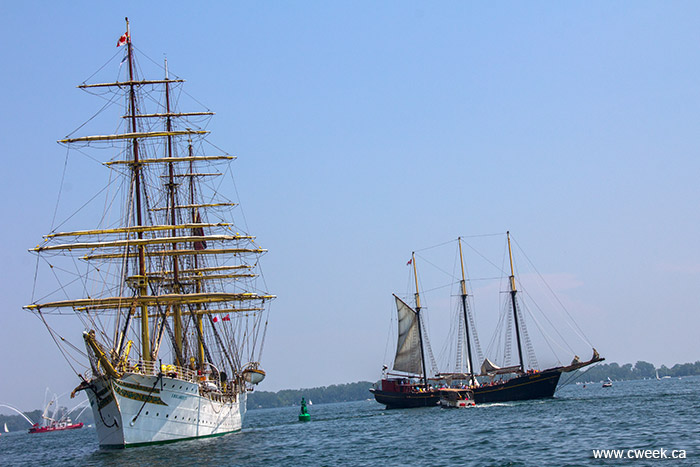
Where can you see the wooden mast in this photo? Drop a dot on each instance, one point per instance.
(177, 310)
(198, 283)
(143, 285)
(513, 291)
(464, 311)
(420, 331)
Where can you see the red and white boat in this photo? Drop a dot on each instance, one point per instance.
(54, 422)
(53, 425)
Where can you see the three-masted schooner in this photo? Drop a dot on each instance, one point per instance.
(515, 382)
(173, 310)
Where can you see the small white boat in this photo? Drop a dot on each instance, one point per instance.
(456, 398)
(608, 383)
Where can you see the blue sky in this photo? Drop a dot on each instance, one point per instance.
(367, 130)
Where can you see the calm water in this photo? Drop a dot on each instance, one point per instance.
(562, 431)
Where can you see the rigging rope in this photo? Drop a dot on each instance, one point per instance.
(574, 376)
(100, 69)
(109, 103)
(577, 329)
(60, 348)
(60, 189)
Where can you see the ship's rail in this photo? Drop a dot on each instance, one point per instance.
(155, 369)
(213, 388)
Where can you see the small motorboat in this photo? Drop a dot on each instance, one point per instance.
(453, 398)
(608, 383)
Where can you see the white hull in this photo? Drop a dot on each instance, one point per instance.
(458, 404)
(139, 409)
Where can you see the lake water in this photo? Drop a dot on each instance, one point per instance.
(646, 414)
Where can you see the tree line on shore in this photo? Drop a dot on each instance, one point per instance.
(17, 422)
(320, 395)
(640, 370)
(360, 390)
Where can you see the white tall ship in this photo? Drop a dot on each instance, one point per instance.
(166, 285)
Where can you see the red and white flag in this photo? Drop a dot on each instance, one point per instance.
(409, 261)
(123, 40)
(215, 319)
(226, 318)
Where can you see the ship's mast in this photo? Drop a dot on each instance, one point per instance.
(198, 283)
(177, 310)
(142, 284)
(420, 330)
(513, 291)
(464, 311)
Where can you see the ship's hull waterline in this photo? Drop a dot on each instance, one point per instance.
(404, 400)
(540, 385)
(138, 410)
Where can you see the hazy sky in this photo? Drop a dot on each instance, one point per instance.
(367, 130)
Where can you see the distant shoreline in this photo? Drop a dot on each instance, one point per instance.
(321, 395)
(360, 390)
(640, 370)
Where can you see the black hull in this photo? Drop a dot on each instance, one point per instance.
(526, 387)
(405, 400)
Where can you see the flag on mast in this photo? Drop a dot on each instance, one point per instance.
(123, 40)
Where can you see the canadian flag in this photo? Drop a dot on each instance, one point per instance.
(409, 261)
(123, 40)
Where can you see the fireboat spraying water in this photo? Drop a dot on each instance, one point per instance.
(57, 421)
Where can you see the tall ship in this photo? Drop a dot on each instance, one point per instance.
(165, 285)
(487, 384)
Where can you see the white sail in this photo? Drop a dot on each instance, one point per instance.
(408, 352)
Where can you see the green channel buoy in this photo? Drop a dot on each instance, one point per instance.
(304, 415)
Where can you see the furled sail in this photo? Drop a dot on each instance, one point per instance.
(408, 353)
(488, 368)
